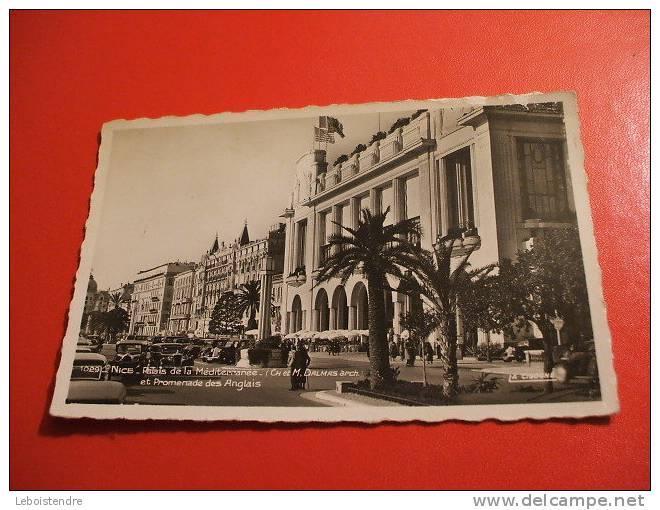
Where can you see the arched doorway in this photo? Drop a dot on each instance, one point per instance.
(296, 315)
(321, 312)
(360, 303)
(340, 308)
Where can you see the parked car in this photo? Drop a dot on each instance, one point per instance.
(130, 358)
(171, 354)
(90, 344)
(89, 384)
(577, 362)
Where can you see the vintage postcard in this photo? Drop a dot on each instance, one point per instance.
(418, 260)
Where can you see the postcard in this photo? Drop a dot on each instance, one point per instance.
(416, 260)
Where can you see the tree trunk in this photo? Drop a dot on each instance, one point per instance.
(449, 343)
(379, 358)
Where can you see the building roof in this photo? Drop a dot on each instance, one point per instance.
(245, 237)
(92, 285)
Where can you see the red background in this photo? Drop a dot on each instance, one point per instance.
(70, 72)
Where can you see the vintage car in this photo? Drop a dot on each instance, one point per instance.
(130, 358)
(89, 345)
(223, 352)
(577, 362)
(89, 384)
(171, 354)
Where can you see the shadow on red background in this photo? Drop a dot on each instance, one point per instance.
(70, 72)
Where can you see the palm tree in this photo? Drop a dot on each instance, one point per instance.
(377, 250)
(247, 300)
(116, 299)
(440, 288)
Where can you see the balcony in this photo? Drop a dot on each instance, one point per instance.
(467, 239)
(401, 144)
(325, 253)
(369, 157)
(297, 277)
(391, 145)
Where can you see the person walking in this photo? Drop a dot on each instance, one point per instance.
(299, 364)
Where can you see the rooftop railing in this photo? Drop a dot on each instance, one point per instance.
(398, 142)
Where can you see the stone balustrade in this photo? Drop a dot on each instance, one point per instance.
(394, 144)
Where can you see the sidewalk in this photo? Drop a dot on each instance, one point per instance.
(334, 399)
(467, 363)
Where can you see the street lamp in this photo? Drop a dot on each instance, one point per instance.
(558, 323)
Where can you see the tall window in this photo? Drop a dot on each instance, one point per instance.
(300, 244)
(460, 203)
(542, 179)
(385, 200)
(411, 193)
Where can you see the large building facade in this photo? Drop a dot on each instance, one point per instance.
(182, 301)
(151, 301)
(498, 173)
(227, 266)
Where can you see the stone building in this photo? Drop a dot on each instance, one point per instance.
(498, 172)
(151, 301)
(182, 302)
(224, 267)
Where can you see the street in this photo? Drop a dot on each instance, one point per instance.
(222, 385)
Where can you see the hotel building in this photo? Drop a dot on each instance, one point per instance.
(227, 266)
(182, 301)
(151, 300)
(501, 172)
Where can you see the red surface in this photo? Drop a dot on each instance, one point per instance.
(70, 72)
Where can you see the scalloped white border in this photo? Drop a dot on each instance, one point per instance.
(503, 412)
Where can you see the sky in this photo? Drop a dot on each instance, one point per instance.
(170, 189)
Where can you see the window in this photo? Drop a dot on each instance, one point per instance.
(542, 180)
(385, 200)
(300, 244)
(411, 193)
(363, 202)
(460, 205)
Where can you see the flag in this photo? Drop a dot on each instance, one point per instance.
(332, 125)
(322, 135)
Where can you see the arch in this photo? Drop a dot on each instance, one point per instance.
(321, 317)
(296, 314)
(340, 307)
(359, 307)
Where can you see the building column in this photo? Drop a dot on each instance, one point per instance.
(318, 242)
(355, 212)
(398, 200)
(425, 209)
(286, 327)
(316, 315)
(443, 227)
(373, 200)
(264, 299)
(351, 318)
(398, 309)
(332, 323)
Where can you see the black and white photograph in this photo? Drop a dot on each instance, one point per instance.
(419, 260)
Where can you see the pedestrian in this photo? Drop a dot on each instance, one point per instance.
(285, 352)
(299, 364)
(393, 350)
(428, 351)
